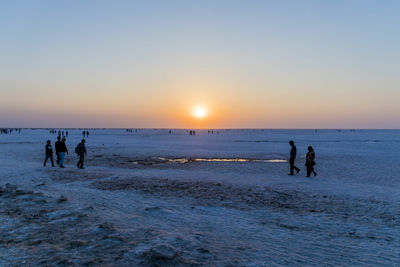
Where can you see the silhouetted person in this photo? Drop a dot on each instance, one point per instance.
(63, 150)
(66, 133)
(81, 151)
(293, 153)
(83, 134)
(58, 145)
(49, 153)
(310, 161)
(87, 133)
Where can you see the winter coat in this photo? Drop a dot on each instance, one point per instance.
(49, 149)
(310, 158)
(293, 152)
(58, 146)
(81, 149)
(63, 147)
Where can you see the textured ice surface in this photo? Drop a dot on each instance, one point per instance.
(221, 199)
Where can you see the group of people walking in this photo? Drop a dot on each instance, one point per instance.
(310, 160)
(61, 149)
(9, 131)
(80, 150)
(60, 133)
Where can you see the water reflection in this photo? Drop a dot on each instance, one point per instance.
(160, 160)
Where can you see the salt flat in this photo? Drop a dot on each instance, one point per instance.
(150, 197)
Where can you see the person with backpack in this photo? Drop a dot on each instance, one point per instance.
(49, 153)
(80, 149)
(310, 161)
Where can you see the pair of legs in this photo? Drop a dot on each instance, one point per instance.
(292, 167)
(58, 158)
(49, 157)
(80, 162)
(310, 169)
(61, 156)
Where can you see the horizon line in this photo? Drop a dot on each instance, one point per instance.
(175, 128)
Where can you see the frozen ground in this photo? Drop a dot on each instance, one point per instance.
(153, 198)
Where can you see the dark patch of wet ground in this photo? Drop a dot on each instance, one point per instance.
(342, 221)
(365, 211)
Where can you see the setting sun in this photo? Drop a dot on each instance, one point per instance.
(199, 112)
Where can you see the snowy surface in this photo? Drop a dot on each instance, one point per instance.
(150, 197)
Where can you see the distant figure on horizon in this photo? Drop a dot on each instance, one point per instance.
(83, 134)
(49, 153)
(58, 145)
(293, 153)
(63, 149)
(81, 151)
(310, 161)
(87, 133)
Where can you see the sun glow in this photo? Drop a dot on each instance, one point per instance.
(199, 112)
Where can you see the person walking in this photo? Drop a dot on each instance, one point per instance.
(49, 153)
(293, 153)
(81, 151)
(310, 161)
(58, 146)
(63, 150)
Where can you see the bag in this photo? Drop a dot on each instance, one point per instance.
(77, 149)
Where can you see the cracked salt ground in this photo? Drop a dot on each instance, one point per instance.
(116, 213)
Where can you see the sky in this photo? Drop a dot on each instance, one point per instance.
(244, 64)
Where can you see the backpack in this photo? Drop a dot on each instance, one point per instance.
(77, 149)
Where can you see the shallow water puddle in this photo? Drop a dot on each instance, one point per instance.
(161, 160)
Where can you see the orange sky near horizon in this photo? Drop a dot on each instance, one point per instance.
(250, 64)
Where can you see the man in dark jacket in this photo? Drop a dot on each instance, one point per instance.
(58, 146)
(62, 150)
(81, 151)
(293, 153)
(49, 153)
